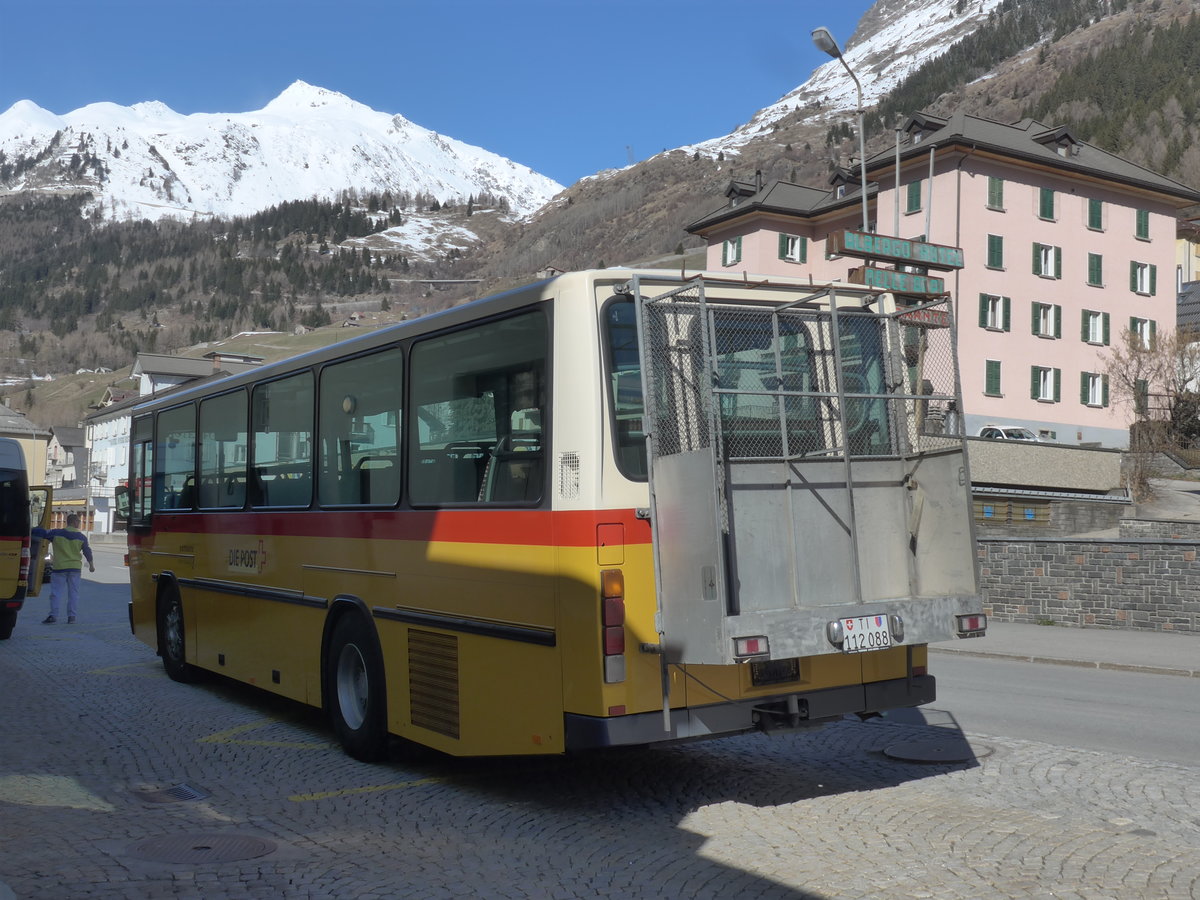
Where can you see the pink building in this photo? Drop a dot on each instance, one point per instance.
(1065, 248)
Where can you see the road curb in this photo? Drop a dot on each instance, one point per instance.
(1078, 663)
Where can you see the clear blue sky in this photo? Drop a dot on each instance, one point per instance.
(562, 86)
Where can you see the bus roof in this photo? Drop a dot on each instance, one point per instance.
(493, 304)
(11, 455)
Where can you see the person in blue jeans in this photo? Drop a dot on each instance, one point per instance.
(70, 549)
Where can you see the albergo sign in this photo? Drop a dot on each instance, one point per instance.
(893, 249)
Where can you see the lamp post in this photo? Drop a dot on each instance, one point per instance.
(826, 43)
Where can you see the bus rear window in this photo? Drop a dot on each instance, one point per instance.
(14, 504)
(625, 385)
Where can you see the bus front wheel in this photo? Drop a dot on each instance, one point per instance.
(354, 690)
(171, 642)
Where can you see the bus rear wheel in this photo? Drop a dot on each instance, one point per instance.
(8, 621)
(171, 643)
(354, 693)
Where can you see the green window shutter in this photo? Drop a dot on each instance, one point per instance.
(992, 377)
(1037, 259)
(1046, 204)
(1057, 321)
(1083, 388)
(1133, 276)
(1142, 224)
(1007, 304)
(1035, 383)
(1141, 395)
(1095, 214)
(995, 192)
(983, 308)
(783, 246)
(803, 249)
(914, 196)
(1085, 322)
(1133, 324)
(1037, 318)
(1058, 262)
(1153, 334)
(1057, 385)
(995, 252)
(1105, 324)
(1095, 269)
(1104, 390)
(1153, 280)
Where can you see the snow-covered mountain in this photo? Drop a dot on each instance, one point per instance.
(147, 161)
(892, 41)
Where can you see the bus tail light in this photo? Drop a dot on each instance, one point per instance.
(747, 647)
(26, 557)
(972, 626)
(612, 620)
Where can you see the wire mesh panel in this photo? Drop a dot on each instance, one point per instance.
(774, 381)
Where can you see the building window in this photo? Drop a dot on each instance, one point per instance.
(995, 198)
(1047, 320)
(1093, 389)
(1047, 261)
(913, 201)
(1143, 332)
(1141, 227)
(1045, 204)
(731, 251)
(1143, 278)
(995, 251)
(994, 312)
(1095, 327)
(1095, 274)
(793, 248)
(1095, 215)
(991, 380)
(1046, 384)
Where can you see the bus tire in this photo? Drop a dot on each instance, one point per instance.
(354, 691)
(172, 638)
(8, 621)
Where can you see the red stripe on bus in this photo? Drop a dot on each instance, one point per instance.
(564, 528)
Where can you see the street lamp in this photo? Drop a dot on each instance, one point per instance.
(826, 43)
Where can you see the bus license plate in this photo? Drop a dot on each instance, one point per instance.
(863, 633)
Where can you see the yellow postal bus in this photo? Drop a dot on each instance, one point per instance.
(21, 560)
(610, 508)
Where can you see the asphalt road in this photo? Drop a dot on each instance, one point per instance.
(1150, 717)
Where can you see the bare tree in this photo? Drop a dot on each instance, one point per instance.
(1158, 377)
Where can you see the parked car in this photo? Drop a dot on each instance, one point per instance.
(1008, 433)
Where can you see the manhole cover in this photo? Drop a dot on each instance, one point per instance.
(201, 848)
(936, 751)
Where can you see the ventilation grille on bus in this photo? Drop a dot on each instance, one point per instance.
(433, 681)
(568, 475)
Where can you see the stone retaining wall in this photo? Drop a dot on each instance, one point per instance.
(1148, 584)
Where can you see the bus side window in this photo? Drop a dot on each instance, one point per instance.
(477, 394)
(359, 441)
(282, 415)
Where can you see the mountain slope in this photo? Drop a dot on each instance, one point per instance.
(147, 161)
(640, 213)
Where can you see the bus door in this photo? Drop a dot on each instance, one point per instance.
(41, 506)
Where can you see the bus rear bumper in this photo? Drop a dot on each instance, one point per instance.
(775, 713)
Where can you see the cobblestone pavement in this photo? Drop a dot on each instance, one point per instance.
(265, 806)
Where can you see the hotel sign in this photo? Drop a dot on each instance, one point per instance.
(897, 282)
(898, 250)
